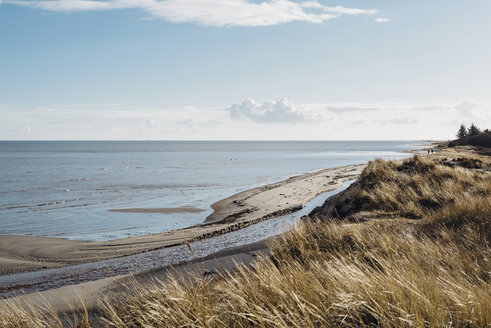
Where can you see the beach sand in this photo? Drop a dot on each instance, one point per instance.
(28, 253)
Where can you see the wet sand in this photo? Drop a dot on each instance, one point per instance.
(27, 253)
(159, 210)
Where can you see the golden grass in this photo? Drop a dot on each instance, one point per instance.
(26, 315)
(426, 264)
(374, 274)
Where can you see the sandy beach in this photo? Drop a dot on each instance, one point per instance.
(27, 253)
(23, 253)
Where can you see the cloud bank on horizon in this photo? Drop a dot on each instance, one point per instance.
(218, 13)
(246, 120)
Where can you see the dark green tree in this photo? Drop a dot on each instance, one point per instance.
(473, 130)
(462, 132)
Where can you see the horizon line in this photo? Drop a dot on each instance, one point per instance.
(208, 140)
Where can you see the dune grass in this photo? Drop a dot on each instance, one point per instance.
(425, 262)
(26, 315)
(416, 188)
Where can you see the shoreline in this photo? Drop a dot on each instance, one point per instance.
(20, 254)
(92, 281)
(75, 296)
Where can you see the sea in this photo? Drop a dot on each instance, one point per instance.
(67, 189)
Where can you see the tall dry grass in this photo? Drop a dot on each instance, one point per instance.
(397, 271)
(17, 314)
(415, 188)
(440, 196)
(375, 274)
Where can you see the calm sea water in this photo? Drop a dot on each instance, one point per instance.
(65, 189)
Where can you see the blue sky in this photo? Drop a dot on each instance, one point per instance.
(239, 69)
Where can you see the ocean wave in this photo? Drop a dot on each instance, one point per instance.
(80, 179)
(61, 202)
(164, 186)
(41, 204)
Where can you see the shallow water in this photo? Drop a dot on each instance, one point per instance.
(66, 189)
(18, 284)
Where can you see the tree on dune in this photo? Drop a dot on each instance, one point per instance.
(473, 130)
(462, 132)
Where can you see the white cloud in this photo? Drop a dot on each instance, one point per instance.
(352, 108)
(468, 107)
(400, 121)
(281, 111)
(349, 11)
(382, 20)
(472, 111)
(220, 13)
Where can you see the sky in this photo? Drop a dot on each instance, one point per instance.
(243, 69)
